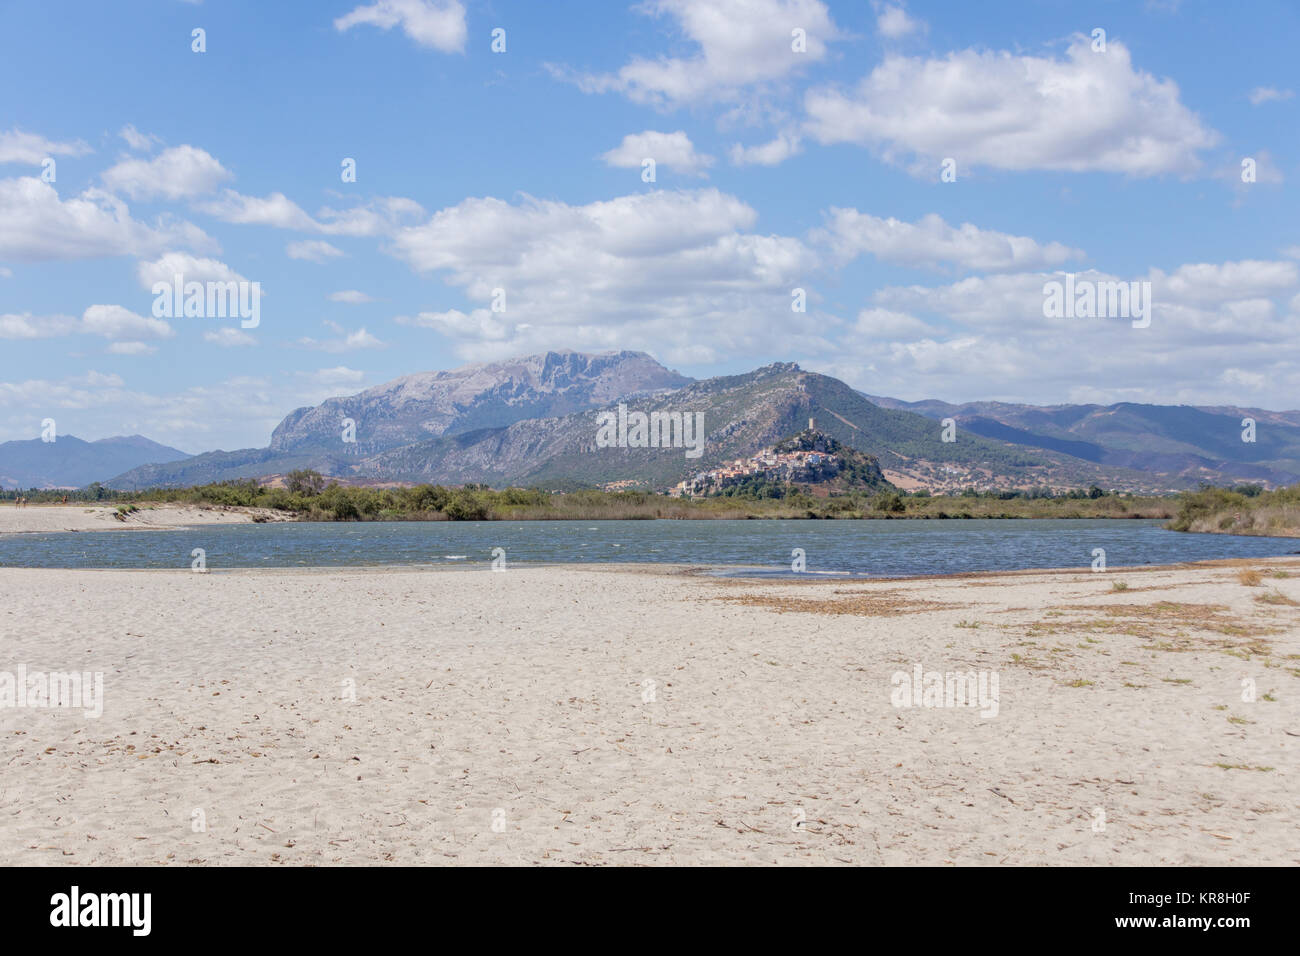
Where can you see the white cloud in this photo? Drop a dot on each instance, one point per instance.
(892, 22)
(193, 268)
(276, 210)
(177, 173)
(312, 250)
(338, 376)
(35, 225)
(673, 150)
(115, 322)
(138, 141)
(350, 342)
(987, 338)
(237, 412)
(1269, 94)
(1087, 112)
(741, 43)
(439, 24)
(350, 297)
(931, 243)
(377, 217)
(107, 321)
(1213, 284)
(74, 392)
(772, 153)
(676, 272)
(28, 326)
(478, 325)
(132, 348)
(31, 149)
(229, 337)
(888, 325)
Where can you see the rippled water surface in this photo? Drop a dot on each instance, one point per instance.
(857, 547)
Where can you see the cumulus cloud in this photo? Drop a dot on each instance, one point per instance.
(679, 272)
(115, 322)
(377, 217)
(106, 321)
(72, 392)
(885, 324)
(438, 24)
(346, 342)
(136, 140)
(931, 243)
(740, 44)
(1217, 330)
(772, 153)
(195, 269)
(671, 150)
(36, 225)
(32, 150)
(1087, 112)
(177, 173)
(276, 210)
(892, 22)
(27, 326)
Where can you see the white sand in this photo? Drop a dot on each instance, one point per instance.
(522, 692)
(79, 516)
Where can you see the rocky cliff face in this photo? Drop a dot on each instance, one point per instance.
(535, 421)
(741, 415)
(427, 405)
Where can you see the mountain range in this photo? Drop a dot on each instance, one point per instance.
(70, 462)
(534, 421)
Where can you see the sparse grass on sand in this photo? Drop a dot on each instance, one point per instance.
(867, 604)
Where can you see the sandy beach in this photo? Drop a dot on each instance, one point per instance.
(627, 715)
(78, 516)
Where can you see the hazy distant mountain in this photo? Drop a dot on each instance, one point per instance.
(534, 421)
(69, 462)
(1182, 444)
(422, 407)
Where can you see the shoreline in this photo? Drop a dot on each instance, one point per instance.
(715, 572)
(346, 717)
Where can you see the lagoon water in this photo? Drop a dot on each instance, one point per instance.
(872, 548)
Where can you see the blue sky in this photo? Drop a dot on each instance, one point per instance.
(521, 170)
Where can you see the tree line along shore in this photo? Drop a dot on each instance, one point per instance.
(309, 496)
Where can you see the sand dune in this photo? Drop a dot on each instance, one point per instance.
(617, 715)
(78, 516)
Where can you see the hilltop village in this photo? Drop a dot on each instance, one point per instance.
(790, 461)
